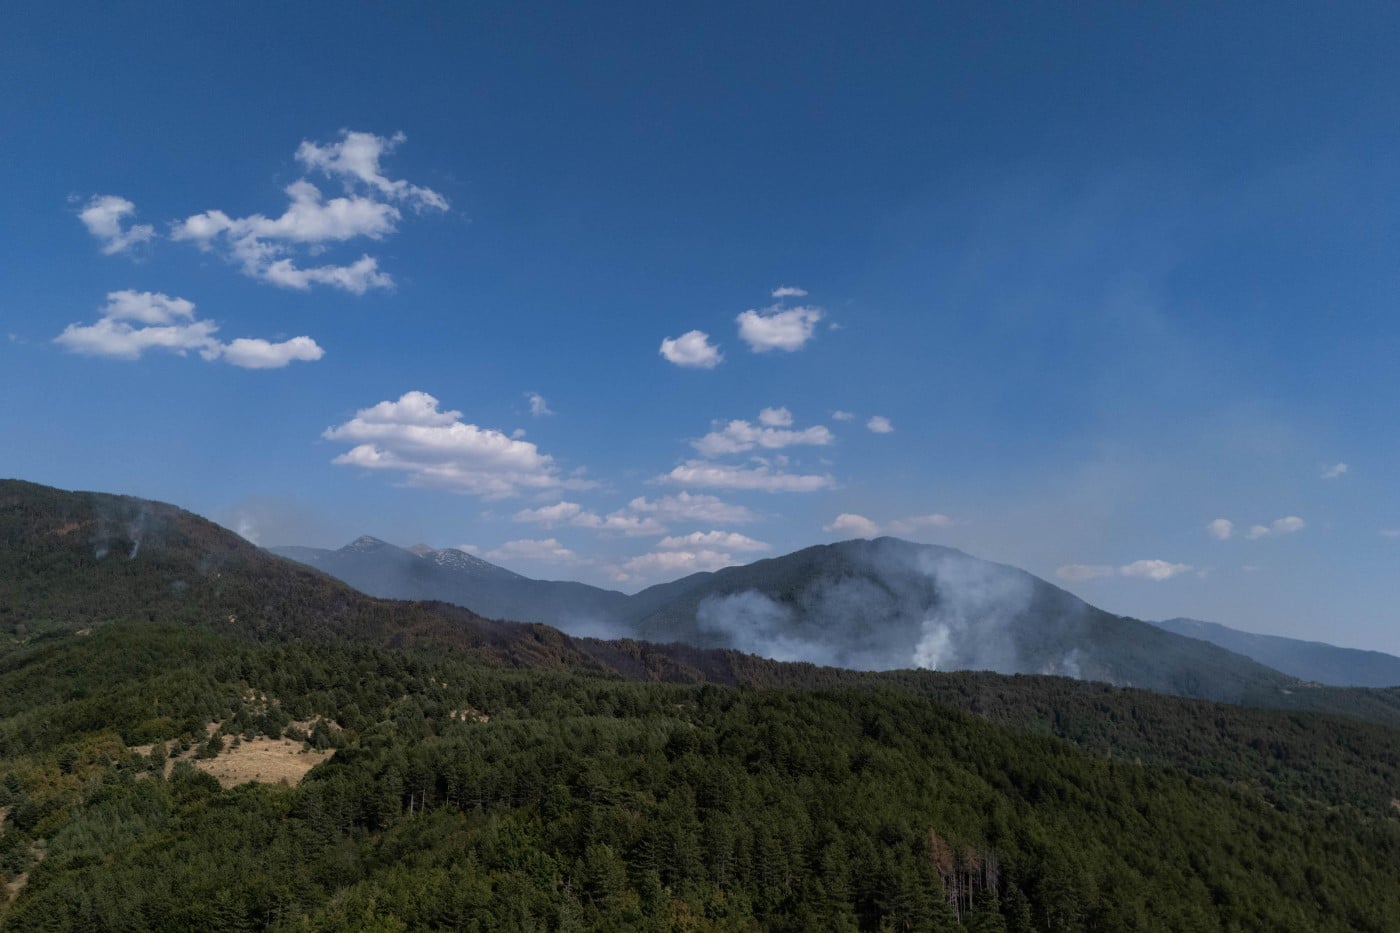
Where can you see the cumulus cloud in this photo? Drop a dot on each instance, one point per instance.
(704, 474)
(538, 406)
(435, 448)
(256, 353)
(880, 425)
(133, 322)
(850, 523)
(692, 349)
(103, 216)
(739, 436)
(701, 540)
(842, 416)
(548, 551)
(1335, 471)
(1221, 529)
(692, 507)
(1153, 569)
(263, 246)
(789, 291)
(671, 563)
(778, 328)
(355, 158)
(1287, 525)
(1157, 570)
(775, 418)
(571, 513)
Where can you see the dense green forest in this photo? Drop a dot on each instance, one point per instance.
(577, 802)
(491, 776)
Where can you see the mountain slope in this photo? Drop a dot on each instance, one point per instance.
(449, 575)
(1306, 660)
(888, 603)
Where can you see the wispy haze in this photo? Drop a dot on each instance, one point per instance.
(618, 294)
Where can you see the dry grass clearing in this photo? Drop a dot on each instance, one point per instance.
(264, 760)
(267, 761)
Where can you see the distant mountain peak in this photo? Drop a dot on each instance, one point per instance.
(366, 543)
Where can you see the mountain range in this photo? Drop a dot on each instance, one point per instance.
(1312, 661)
(879, 604)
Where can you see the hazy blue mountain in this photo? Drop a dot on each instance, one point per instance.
(1307, 660)
(450, 575)
(866, 605)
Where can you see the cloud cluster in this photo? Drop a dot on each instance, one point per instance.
(692, 349)
(103, 216)
(548, 551)
(1289, 524)
(267, 248)
(729, 540)
(692, 507)
(1156, 570)
(436, 448)
(740, 436)
(564, 513)
(133, 322)
(670, 564)
(778, 328)
(1222, 529)
(758, 476)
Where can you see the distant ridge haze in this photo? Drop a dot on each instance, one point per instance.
(876, 604)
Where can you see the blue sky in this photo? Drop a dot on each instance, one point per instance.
(1105, 275)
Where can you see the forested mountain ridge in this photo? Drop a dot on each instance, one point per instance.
(869, 605)
(499, 776)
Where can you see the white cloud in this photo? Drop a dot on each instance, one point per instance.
(775, 328)
(789, 291)
(850, 523)
(739, 436)
(729, 540)
(704, 474)
(1287, 525)
(1157, 570)
(775, 418)
(691, 507)
(880, 425)
(560, 513)
(1390, 532)
(538, 406)
(842, 416)
(436, 448)
(1221, 529)
(262, 245)
(1335, 471)
(170, 324)
(548, 551)
(103, 218)
(261, 354)
(692, 349)
(1153, 569)
(571, 513)
(355, 158)
(671, 563)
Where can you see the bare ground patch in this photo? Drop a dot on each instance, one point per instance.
(267, 761)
